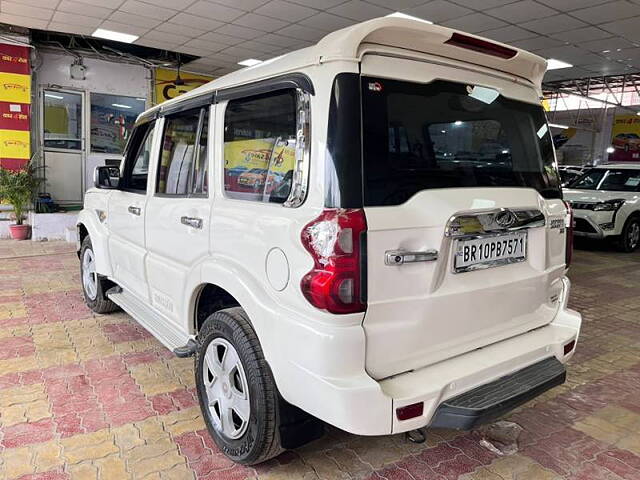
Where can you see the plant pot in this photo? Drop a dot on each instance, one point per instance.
(20, 232)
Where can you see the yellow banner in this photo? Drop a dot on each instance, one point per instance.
(14, 144)
(15, 88)
(166, 88)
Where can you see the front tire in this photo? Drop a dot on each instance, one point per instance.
(93, 285)
(237, 393)
(630, 237)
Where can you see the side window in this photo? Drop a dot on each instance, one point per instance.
(137, 158)
(183, 158)
(260, 147)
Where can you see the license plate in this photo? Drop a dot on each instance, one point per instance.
(487, 252)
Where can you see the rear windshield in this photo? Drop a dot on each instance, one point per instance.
(620, 180)
(450, 135)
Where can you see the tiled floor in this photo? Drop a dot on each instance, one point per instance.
(84, 396)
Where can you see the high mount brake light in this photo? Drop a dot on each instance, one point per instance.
(482, 46)
(569, 235)
(333, 240)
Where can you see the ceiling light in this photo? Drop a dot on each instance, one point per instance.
(249, 62)
(457, 122)
(119, 105)
(557, 125)
(117, 36)
(142, 99)
(553, 64)
(637, 113)
(410, 17)
(606, 51)
(57, 97)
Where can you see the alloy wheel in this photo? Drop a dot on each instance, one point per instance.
(227, 390)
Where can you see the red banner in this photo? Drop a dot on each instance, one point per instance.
(12, 163)
(14, 116)
(14, 59)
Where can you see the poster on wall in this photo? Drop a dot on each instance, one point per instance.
(15, 100)
(166, 87)
(625, 139)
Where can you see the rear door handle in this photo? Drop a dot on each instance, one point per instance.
(134, 210)
(191, 222)
(400, 257)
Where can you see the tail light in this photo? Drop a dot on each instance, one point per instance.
(333, 240)
(569, 235)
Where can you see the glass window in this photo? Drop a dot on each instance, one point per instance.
(439, 135)
(62, 120)
(619, 180)
(259, 147)
(112, 119)
(183, 167)
(137, 159)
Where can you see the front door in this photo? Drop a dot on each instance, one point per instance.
(127, 210)
(63, 144)
(178, 212)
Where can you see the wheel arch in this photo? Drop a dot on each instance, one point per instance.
(88, 226)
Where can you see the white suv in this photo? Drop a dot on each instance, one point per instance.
(368, 232)
(606, 203)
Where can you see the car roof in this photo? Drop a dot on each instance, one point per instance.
(345, 44)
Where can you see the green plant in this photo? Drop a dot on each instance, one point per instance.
(19, 187)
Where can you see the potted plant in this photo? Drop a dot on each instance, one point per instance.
(18, 188)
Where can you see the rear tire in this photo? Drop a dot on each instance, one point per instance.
(234, 380)
(94, 286)
(630, 238)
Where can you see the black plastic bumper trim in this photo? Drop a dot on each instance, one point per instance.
(492, 400)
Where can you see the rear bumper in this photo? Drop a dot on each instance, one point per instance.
(359, 404)
(494, 399)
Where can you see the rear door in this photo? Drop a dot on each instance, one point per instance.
(178, 212)
(465, 239)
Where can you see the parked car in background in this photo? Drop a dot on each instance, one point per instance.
(627, 141)
(606, 204)
(376, 285)
(569, 173)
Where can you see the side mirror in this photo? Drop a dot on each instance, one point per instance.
(106, 177)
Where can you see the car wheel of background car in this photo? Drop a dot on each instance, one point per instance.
(630, 238)
(94, 286)
(237, 393)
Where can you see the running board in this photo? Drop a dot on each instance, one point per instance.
(158, 325)
(490, 401)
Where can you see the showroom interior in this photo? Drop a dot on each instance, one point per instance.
(85, 395)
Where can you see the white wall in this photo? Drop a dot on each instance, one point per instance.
(101, 77)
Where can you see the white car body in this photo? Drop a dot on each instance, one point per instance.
(428, 334)
(603, 223)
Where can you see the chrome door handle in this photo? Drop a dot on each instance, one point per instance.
(191, 222)
(134, 210)
(400, 257)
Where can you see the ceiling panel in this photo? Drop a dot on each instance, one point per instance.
(585, 33)
(439, 11)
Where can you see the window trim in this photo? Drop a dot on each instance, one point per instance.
(204, 109)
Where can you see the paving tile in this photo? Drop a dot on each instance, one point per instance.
(95, 396)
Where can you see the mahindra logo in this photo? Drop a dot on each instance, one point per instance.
(506, 218)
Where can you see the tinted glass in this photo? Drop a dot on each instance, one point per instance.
(259, 147)
(112, 119)
(621, 180)
(182, 160)
(423, 136)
